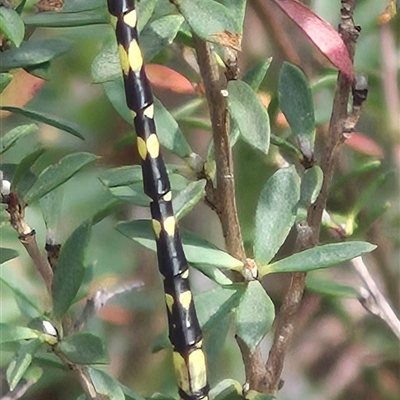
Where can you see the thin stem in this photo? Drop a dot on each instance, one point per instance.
(223, 196)
(339, 121)
(373, 300)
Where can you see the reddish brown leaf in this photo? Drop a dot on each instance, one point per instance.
(166, 78)
(115, 315)
(325, 38)
(20, 90)
(363, 144)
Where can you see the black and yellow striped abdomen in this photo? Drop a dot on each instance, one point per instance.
(184, 330)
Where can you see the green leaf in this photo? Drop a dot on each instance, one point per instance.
(5, 79)
(210, 21)
(114, 90)
(76, 6)
(318, 257)
(11, 137)
(145, 10)
(197, 250)
(130, 394)
(237, 9)
(19, 179)
(33, 52)
(276, 213)
(50, 205)
(296, 103)
(311, 185)
(214, 342)
(65, 20)
(24, 303)
(228, 389)
(11, 25)
(84, 348)
(154, 38)
(159, 34)
(255, 315)
(70, 270)
(188, 198)
(106, 385)
(11, 333)
(214, 274)
(253, 395)
(21, 361)
(356, 173)
(7, 254)
(106, 67)
(51, 120)
(330, 288)
(169, 133)
(56, 174)
(215, 304)
(121, 176)
(255, 75)
(132, 194)
(249, 114)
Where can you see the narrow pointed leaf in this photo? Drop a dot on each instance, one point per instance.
(330, 288)
(70, 270)
(23, 171)
(254, 315)
(318, 257)
(84, 348)
(255, 75)
(66, 20)
(211, 21)
(217, 303)
(276, 213)
(21, 362)
(121, 176)
(32, 53)
(188, 198)
(228, 389)
(55, 175)
(106, 385)
(12, 136)
(171, 136)
(295, 100)
(51, 120)
(11, 25)
(7, 254)
(311, 185)
(159, 34)
(12, 333)
(249, 114)
(197, 250)
(325, 38)
(24, 303)
(5, 79)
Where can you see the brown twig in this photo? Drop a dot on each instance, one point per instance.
(285, 321)
(222, 197)
(337, 126)
(27, 237)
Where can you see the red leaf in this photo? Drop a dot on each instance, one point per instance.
(363, 144)
(21, 89)
(325, 38)
(168, 79)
